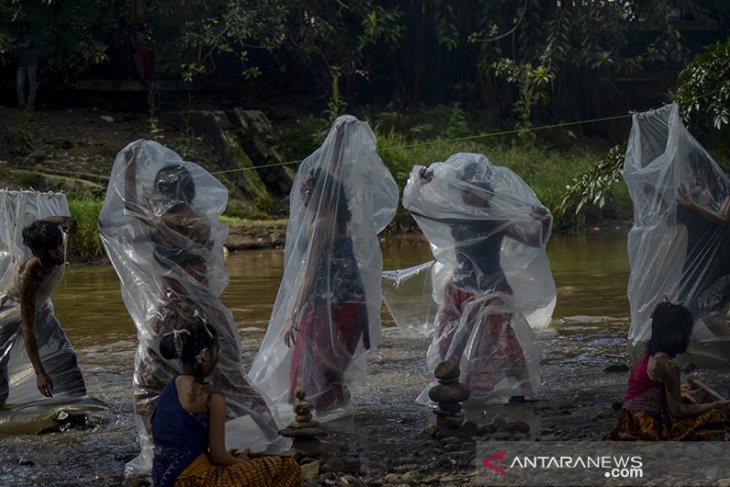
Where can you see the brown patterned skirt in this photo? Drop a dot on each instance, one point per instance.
(660, 425)
(264, 471)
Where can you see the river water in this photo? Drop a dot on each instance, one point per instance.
(588, 333)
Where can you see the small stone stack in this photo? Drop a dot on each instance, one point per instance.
(304, 431)
(449, 394)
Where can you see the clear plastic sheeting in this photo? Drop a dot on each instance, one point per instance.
(679, 246)
(160, 228)
(18, 209)
(327, 312)
(487, 231)
(408, 295)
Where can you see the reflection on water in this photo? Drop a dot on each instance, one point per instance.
(590, 271)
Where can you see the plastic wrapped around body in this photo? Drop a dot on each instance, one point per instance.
(160, 228)
(488, 232)
(327, 311)
(18, 209)
(679, 246)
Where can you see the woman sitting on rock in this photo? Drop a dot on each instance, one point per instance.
(654, 406)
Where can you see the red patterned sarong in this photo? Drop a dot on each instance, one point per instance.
(482, 343)
(324, 348)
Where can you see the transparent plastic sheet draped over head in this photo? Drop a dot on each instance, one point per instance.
(491, 280)
(327, 311)
(160, 228)
(675, 250)
(18, 209)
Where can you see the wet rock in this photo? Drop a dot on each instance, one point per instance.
(310, 470)
(392, 479)
(333, 464)
(452, 407)
(513, 426)
(449, 393)
(309, 448)
(616, 369)
(447, 370)
(350, 481)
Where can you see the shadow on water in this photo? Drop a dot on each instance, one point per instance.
(588, 336)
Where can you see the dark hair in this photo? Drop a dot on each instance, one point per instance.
(333, 194)
(42, 235)
(175, 183)
(671, 327)
(188, 344)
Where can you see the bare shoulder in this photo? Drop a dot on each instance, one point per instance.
(30, 274)
(662, 368)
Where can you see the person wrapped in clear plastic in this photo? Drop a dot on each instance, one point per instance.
(160, 227)
(488, 233)
(679, 245)
(36, 358)
(327, 311)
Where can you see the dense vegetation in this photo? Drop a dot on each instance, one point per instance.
(432, 77)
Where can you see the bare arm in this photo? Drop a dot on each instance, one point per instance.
(666, 372)
(217, 433)
(536, 238)
(317, 245)
(720, 217)
(29, 282)
(67, 224)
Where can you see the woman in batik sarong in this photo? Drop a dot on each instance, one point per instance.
(327, 312)
(481, 222)
(654, 407)
(329, 316)
(188, 424)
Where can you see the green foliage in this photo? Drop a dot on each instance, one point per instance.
(86, 243)
(703, 91)
(594, 187)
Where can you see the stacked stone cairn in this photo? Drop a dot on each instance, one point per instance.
(312, 454)
(304, 431)
(449, 394)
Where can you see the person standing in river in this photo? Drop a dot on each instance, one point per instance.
(43, 339)
(483, 221)
(326, 317)
(160, 228)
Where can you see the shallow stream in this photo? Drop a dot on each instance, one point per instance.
(588, 333)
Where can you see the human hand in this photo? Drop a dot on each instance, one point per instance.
(242, 454)
(290, 337)
(540, 213)
(691, 397)
(684, 197)
(68, 225)
(426, 174)
(44, 384)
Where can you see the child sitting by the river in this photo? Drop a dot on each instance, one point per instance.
(655, 408)
(188, 424)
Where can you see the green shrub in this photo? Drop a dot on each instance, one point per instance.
(86, 244)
